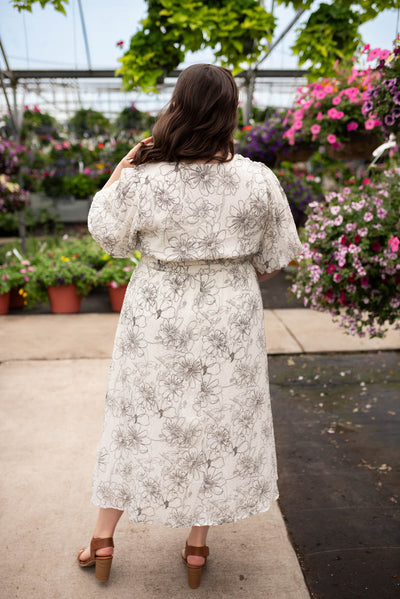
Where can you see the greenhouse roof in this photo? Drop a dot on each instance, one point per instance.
(46, 40)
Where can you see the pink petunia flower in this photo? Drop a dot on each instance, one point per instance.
(331, 138)
(352, 126)
(336, 100)
(375, 53)
(331, 268)
(394, 243)
(315, 129)
(320, 116)
(368, 216)
(370, 123)
(384, 54)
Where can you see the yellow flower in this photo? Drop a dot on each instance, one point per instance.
(24, 294)
(21, 291)
(10, 186)
(64, 259)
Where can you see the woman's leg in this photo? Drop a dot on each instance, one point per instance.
(105, 526)
(197, 537)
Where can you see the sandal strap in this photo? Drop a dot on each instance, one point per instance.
(203, 551)
(97, 543)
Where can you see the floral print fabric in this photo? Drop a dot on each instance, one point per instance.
(188, 434)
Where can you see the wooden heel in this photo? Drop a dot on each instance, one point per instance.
(194, 572)
(103, 567)
(194, 576)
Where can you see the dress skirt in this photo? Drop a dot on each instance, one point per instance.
(188, 435)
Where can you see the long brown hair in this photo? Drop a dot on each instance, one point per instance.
(199, 122)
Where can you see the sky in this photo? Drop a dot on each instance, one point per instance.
(46, 39)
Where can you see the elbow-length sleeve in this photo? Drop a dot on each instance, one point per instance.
(279, 244)
(112, 219)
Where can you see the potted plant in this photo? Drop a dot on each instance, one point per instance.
(351, 262)
(81, 186)
(116, 275)
(328, 113)
(10, 278)
(61, 279)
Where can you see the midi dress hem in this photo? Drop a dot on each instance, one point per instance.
(103, 505)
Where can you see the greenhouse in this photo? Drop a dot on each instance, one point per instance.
(129, 232)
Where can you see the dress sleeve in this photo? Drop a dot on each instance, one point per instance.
(279, 244)
(112, 219)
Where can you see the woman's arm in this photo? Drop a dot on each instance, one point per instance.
(268, 275)
(126, 162)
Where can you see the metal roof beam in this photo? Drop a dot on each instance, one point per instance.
(108, 73)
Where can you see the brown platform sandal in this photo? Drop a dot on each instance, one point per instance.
(194, 572)
(102, 562)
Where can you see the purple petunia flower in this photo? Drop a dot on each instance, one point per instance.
(367, 106)
(376, 92)
(389, 120)
(396, 112)
(389, 83)
(396, 98)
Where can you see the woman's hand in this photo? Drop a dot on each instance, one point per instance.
(126, 162)
(131, 153)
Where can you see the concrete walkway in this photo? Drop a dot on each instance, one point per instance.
(53, 378)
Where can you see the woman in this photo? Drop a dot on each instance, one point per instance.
(188, 436)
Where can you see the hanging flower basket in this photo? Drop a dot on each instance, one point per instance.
(64, 299)
(4, 302)
(117, 295)
(360, 147)
(299, 153)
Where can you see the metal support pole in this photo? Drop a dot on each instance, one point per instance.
(85, 37)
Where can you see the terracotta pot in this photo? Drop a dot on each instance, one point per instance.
(117, 295)
(4, 302)
(16, 300)
(64, 299)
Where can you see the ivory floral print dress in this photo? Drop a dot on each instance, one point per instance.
(188, 435)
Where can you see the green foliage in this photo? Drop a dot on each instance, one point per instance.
(54, 186)
(40, 220)
(27, 4)
(80, 186)
(236, 30)
(54, 269)
(38, 123)
(10, 276)
(88, 123)
(118, 271)
(331, 32)
(130, 118)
